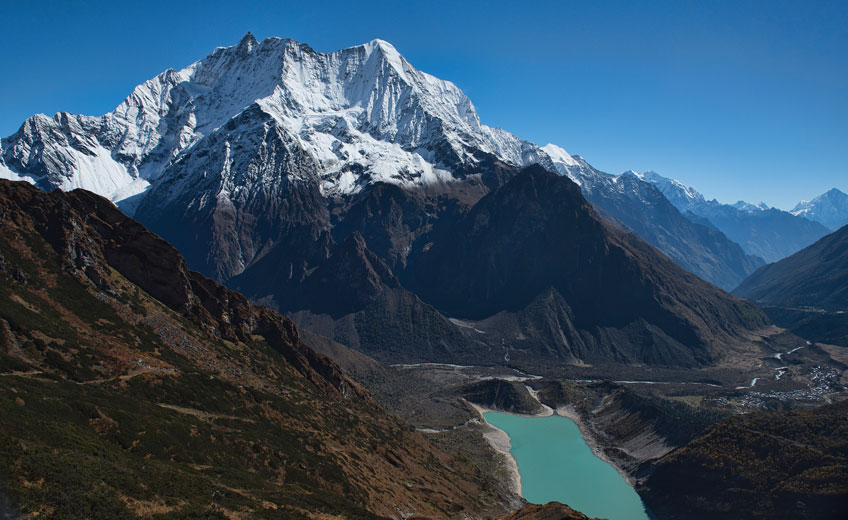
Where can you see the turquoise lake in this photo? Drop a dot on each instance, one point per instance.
(555, 463)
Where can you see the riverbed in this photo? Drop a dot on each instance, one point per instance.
(555, 463)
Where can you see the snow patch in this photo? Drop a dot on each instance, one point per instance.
(559, 155)
(8, 174)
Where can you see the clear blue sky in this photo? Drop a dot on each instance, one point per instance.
(743, 100)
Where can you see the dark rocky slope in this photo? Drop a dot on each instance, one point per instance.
(132, 386)
(807, 292)
(354, 298)
(549, 511)
(536, 262)
(816, 276)
(498, 394)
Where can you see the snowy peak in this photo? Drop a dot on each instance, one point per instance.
(247, 42)
(829, 208)
(751, 208)
(362, 109)
(682, 196)
(387, 51)
(567, 165)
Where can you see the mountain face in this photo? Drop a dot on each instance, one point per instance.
(816, 277)
(351, 117)
(121, 366)
(534, 254)
(256, 151)
(830, 209)
(765, 232)
(244, 150)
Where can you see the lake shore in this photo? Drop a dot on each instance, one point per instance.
(558, 464)
(500, 441)
(592, 441)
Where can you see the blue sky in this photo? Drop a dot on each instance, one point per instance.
(742, 100)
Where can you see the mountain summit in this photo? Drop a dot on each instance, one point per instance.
(829, 208)
(225, 139)
(356, 110)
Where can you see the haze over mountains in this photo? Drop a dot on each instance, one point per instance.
(815, 277)
(808, 291)
(768, 233)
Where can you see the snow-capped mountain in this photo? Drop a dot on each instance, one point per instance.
(830, 209)
(252, 143)
(682, 196)
(761, 230)
(318, 183)
(362, 109)
(747, 206)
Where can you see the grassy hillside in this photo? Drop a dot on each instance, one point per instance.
(130, 386)
(762, 465)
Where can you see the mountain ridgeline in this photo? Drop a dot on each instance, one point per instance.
(829, 208)
(807, 292)
(611, 296)
(815, 277)
(316, 182)
(765, 232)
(696, 246)
(258, 144)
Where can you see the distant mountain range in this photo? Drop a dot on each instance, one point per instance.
(768, 233)
(637, 205)
(815, 277)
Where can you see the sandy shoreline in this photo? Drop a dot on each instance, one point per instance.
(500, 442)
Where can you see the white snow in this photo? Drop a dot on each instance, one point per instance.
(829, 209)
(751, 208)
(6, 173)
(678, 193)
(559, 155)
(103, 175)
(361, 109)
